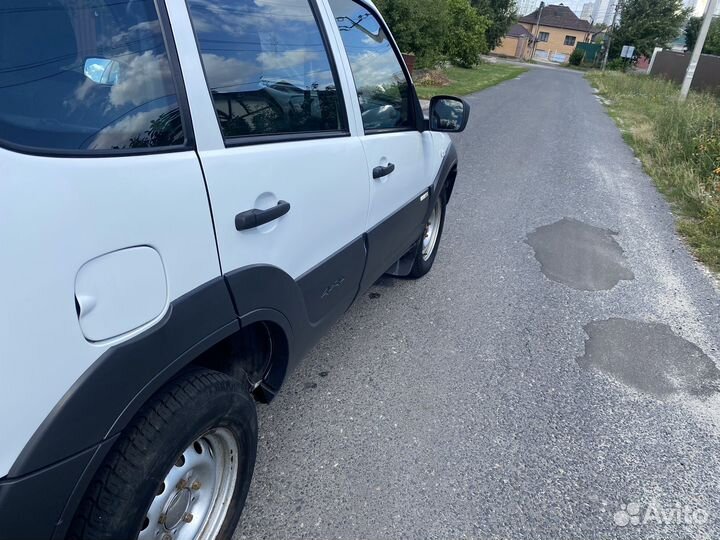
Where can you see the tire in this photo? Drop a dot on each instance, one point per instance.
(183, 465)
(427, 245)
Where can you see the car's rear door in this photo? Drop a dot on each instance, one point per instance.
(398, 153)
(276, 145)
(104, 219)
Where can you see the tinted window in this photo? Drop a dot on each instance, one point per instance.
(381, 84)
(85, 75)
(266, 66)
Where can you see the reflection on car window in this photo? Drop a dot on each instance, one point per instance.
(381, 84)
(85, 75)
(266, 66)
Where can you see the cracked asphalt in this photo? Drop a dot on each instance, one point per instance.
(465, 404)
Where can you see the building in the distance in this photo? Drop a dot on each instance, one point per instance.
(603, 11)
(587, 11)
(558, 32)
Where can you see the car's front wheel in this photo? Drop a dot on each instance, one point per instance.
(429, 240)
(182, 468)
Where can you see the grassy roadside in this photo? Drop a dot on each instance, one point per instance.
(679, 146)
(466, 81)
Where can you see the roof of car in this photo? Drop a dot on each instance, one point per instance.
(559, 16)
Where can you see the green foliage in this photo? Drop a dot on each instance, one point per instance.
(454, 30)
(647, 24)
(502, 14)
(679, 145)
(465, 41)
(712, 42)
(692, 29)
(617, 64)
(419, 26)
(576, 58)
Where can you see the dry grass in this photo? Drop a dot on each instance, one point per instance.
(679, 146)
(458, 81)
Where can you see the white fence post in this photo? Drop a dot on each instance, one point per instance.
(652, 60)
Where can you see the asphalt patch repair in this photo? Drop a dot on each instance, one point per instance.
(649, 357)
(579, 255)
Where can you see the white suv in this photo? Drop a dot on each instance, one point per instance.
(190, 194)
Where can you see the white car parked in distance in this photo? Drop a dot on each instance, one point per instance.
(191, 193)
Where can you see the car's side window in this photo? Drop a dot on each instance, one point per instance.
(85, 75)
(382, 87)
(267, 67)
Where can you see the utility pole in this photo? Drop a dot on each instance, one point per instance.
(537, 30)
(697, 50)
(618, 6)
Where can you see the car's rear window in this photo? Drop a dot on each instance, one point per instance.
(87, 75)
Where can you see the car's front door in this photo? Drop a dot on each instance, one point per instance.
(397, 151)
(287, 179)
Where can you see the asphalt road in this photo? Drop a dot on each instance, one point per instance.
(553, 377)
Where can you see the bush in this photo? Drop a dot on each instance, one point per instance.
(465, 40)
(618, 64)
(419, 27)
(577, 57)
(436, 30)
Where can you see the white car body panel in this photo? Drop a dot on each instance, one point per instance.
(56, 214)
(326, 182)
(69, 227)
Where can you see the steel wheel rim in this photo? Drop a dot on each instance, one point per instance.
(193, 500)
(432, 231)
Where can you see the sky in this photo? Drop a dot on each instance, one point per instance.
(700, 7)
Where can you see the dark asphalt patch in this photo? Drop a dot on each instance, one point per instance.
(649, 357)
(579, 255)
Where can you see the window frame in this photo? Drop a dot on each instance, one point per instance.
(269, 138)
(182, 101)
(546, 35)
(574, 40)
(416, 119)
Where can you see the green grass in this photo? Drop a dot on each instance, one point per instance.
(679, 146)
(466, 81)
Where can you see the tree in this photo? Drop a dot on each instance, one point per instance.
(712, 41)
(692, 29)
(465, 41)
(647, 24)
(419, 26)
(501, 15)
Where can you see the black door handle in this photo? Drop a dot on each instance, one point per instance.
(254, 218)
(380, 171)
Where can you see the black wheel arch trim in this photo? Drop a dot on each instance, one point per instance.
(66, 450)
(113, 388)
(446, 172)
(108, 394)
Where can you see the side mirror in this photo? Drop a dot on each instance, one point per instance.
(448, 113)
(102, 70)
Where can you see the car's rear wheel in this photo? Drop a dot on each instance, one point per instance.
(182, 468)
(429, 240)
